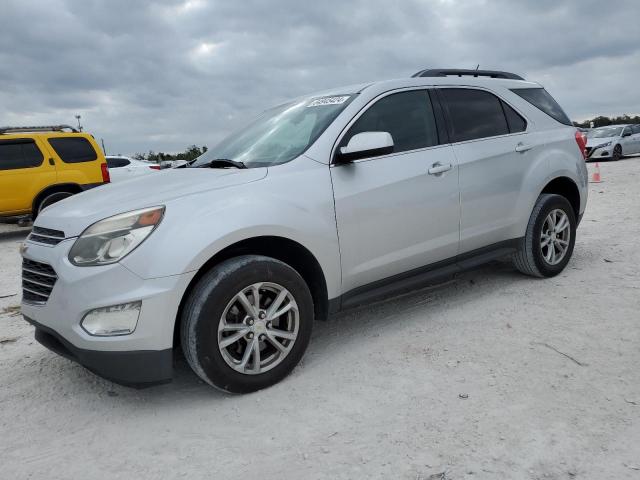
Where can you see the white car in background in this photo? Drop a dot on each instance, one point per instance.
(613, 142)
(122, 168)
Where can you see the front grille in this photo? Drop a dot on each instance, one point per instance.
(38, 280)
(46, 236)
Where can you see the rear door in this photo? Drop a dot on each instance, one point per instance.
(24, 172)
(392, 215)
(491, 146)
(77, 158)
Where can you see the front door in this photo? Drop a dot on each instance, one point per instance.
(392, 214)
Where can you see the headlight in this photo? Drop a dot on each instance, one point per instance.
(608, 144)
(113, 238)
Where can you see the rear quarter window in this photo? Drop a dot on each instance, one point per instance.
(73, 149)
(21, 153)
(540, 98)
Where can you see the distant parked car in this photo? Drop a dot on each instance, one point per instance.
(40, 166)
(173, 164)
(122, 168)
(613, 142)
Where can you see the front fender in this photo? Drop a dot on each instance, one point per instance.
(282, 205)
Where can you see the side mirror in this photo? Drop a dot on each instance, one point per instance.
(626, 134)
(365, 145)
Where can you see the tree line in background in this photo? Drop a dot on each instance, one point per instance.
(602, 121)
(190, 153)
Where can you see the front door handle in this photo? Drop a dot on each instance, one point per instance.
(521, 147)
(438, 168)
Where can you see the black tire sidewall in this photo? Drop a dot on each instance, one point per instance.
(617, 156)
(551, 203)
(208, 301)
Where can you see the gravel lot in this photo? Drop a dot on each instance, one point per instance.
(493, 375)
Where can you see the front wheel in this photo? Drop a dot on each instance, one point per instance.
(247, 323)
(617, 153)
(549, 239)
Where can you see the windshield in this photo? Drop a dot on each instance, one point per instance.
(280, 134)
(605, 132)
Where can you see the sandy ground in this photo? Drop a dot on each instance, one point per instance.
(494, 375)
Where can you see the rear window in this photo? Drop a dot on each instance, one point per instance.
(474, 114)
(73, 149)
(540, 98)
(21, 153)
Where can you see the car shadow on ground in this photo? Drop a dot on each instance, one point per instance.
(14, 235)
(340, 331)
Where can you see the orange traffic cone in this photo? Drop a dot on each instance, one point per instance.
(595, 178)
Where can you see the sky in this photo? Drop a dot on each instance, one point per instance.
(163, 75)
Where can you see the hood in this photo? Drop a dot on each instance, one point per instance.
(76, 213)
(594, 142)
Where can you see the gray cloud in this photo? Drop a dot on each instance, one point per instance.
(170, 73)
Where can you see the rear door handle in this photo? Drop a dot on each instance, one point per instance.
(438, 168)
(521, 147)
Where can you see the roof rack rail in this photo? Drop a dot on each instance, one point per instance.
(446, 72)
(42, 128)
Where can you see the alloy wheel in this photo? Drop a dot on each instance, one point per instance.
(258, 328)
(555, 237)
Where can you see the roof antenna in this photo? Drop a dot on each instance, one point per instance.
(477, 67)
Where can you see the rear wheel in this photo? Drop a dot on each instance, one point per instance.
(617, 153)
(247, 323)
(48, 200)
(550, 237)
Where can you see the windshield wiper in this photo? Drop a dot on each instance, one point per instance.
(222, 163)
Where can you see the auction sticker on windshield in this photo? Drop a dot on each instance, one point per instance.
(318, 102)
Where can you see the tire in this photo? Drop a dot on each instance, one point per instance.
(50, 199)
(532, 257)
(617, 153)
(213, 303)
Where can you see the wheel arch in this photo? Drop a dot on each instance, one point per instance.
(286, 250)
(58, 187)
(567, 188)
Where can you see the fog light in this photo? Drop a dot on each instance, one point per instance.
(111, 321)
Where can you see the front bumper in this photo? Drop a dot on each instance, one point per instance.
(595, 153)
(139, 369)
(141, 358)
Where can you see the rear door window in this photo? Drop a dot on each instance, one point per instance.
(73, 149)
(20, 153)
(540, 98)
(474, 114)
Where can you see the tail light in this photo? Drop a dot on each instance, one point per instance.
(105, 173)
(155, 167)
(582, 143)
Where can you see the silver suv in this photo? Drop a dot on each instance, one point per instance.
(326, 202)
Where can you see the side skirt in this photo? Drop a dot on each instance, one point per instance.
(430, 274)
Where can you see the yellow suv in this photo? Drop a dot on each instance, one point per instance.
(42, 165)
